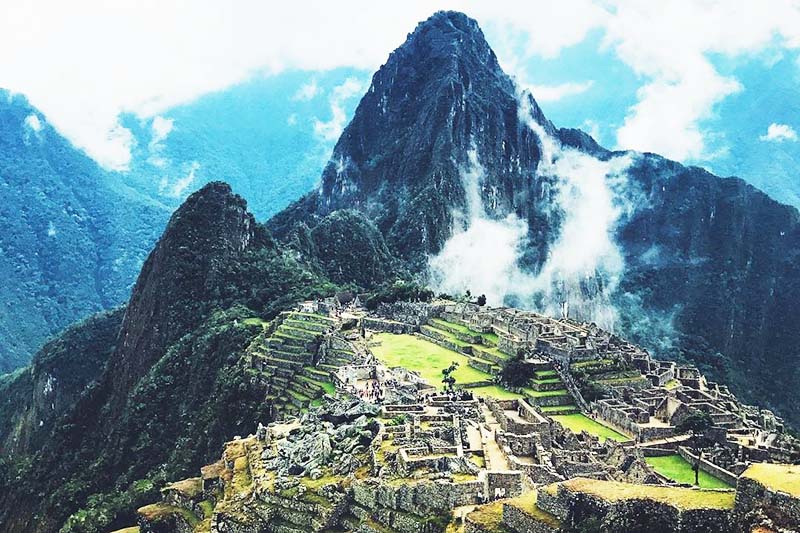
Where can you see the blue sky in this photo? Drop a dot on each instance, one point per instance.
(171, 97)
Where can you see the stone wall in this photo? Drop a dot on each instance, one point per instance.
(709, 467)
(518, 520)
(780, 507)
(510, 483)
(422, 497)
(387, 326)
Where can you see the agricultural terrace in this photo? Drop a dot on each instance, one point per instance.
(578, 422)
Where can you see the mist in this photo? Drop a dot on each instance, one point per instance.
(583, 265)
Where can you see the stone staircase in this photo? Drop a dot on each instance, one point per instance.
(549, 392)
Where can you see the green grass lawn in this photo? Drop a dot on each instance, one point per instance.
(785, 478)
(683, 498)
(680, 470)
(496, 392)
(424, 357)
(579, 422)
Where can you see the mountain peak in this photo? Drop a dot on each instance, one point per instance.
(180, 280)
(440, 103)
(446, 42)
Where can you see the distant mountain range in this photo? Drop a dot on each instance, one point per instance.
(72, 237)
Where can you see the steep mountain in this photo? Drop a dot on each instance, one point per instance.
(473, 188)
(71, 238)
(438, 97)
(172, 374)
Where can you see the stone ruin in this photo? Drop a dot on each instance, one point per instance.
(407, 457)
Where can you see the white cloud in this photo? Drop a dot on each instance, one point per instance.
(669, 44)
(83, 63)
(161, 128)
(306, 92)
(291, 120)
(32, 121)
(589, 196)
(779, 133)
(552, 93)
(177, 188)
(331, 129)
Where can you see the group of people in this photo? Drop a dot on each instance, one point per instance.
(372, 391)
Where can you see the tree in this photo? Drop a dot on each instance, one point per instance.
(516, 372)
(482, 300)
(448, 379)
(697, 422)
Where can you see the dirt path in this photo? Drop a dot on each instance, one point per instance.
(495, 458)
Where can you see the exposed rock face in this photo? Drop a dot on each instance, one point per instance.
(34, 399)
(438, 97)
(706, 265)
(178, 284)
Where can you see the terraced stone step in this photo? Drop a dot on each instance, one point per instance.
(483, 365)
(298, 387)
(286, 363)
(338, 361)
(285, 372)
(465, 332)
(307, 325)
(301, 357)
(312, 317)
(316, 373)
(325, 386)
(276, 343)
(549, 398)
(491, 353)
(298, 399)
(451, 343)
(548, 384)
(296, 332)
(291, 340)
(545, 374)
(568, 409)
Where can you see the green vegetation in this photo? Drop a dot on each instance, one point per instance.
(777, 477)
(678, 469)
(495, 391)
(424, 357)
(683, 498)
(579, 422)
(400, 291)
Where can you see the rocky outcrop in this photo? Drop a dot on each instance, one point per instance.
(439, 96)
(34, 399)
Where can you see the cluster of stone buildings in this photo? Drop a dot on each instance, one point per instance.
(418, 459)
